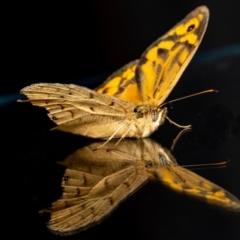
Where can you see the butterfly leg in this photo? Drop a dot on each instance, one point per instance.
(178, 125)
(120, 126)
(123, 136)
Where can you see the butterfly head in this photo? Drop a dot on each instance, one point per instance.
(164, 159)
(156, 114)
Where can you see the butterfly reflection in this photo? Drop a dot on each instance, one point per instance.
(97, 180)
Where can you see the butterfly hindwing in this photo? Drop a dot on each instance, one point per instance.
(78, 109)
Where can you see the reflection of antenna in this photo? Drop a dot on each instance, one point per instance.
(201, 166)
(197, 167)
(178, 137)
(192, 95)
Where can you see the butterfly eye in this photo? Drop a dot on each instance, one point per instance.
(136, 109)
(190, 28)
(139, 110)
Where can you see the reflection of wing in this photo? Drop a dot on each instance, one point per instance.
(182, 180)
(96, 181)
(79, 110)
(122, 84)
(162, 64)
(93, 187)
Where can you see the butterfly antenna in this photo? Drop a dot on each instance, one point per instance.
(192, 95)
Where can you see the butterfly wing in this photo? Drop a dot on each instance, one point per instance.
(82, 111)
(182, 180)
(156, 73)
(162, 64)
(122, 84)
(79, 110)
(94, 183)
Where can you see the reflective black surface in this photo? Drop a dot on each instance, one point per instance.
(31, 176)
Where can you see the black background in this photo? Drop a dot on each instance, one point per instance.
(70, 43)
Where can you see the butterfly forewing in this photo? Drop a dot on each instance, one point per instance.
(162, 64)
(156, 73)
(122, 84)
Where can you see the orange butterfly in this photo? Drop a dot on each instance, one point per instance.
(129, 103)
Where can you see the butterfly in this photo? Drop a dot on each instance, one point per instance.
(128, 104)
(96, 180)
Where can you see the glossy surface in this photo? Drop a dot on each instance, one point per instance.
(31, 177)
